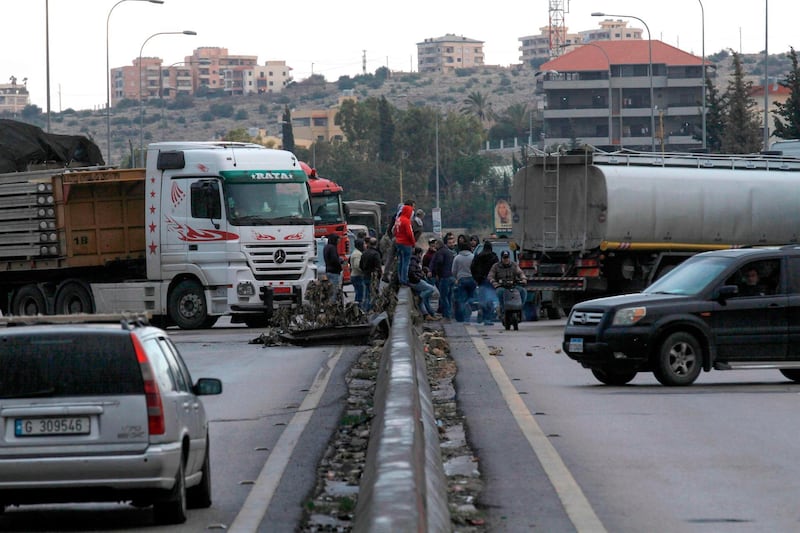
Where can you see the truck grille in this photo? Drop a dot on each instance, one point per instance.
(585, 318)
(275, 262)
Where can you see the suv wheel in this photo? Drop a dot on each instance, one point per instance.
(613, 377)
(172, 510)
(679, 360)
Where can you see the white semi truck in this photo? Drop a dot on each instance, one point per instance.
(597, 224)
(206, 229)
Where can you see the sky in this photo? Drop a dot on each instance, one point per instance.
(331, 38)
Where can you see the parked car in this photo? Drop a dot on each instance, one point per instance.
(101, 412)
(723, 310)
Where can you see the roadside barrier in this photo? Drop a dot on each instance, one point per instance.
(404, 487)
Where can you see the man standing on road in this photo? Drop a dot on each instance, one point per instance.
(442, 270)
(480, 268)
(371, 268)
(333, 266)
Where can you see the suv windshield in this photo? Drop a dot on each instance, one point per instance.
(691, 277)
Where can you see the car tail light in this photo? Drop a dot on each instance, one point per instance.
(155, 409)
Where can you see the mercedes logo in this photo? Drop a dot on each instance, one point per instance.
(279, 256)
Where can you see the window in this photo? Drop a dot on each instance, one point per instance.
(205, 200)
(757, 278)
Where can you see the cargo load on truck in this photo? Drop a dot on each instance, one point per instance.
(205, 230)
(26, 147)
(596, 224)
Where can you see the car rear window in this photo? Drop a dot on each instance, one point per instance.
(68, 364)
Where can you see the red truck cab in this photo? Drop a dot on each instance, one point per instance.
(328, 211)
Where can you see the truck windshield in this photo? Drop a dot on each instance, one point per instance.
(327, 209)
(691, 277)
(268, 203)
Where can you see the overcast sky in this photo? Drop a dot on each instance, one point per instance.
(330, 38)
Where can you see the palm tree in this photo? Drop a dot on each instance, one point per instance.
(477, 104)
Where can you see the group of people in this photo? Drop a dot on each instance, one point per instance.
(449, 268)
(465, 279)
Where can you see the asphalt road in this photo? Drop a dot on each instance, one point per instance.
(561, 452)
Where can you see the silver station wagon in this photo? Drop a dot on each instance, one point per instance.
(101, 412)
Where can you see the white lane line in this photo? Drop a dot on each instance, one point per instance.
(576, 505)
(257, 502)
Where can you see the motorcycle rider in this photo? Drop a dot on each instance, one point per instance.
(506, 275)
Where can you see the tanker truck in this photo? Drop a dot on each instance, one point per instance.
(598, 224)
(206, 229)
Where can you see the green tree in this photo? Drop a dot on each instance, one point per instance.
(386, 142)
(477, 104)
(715, 113)
(287, 133)
(238, 135)
(787, 114)
(741, 132)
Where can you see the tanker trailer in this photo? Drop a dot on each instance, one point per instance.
(593, 225)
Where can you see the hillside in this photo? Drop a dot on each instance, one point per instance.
(204, 120)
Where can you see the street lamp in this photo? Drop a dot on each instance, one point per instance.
(703, 53)
(650, 73)
(141, 101)
(766, 75)
(108, 75)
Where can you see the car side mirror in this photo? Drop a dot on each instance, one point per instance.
(208, 386)
(725, 292)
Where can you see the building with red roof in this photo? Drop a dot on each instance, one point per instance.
(600, 94)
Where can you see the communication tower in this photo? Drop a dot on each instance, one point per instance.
(557, 28)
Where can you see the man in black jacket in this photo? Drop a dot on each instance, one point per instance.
(333, 265)
(480, 268)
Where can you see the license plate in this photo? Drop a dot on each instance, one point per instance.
(576, 345)
(35, 427)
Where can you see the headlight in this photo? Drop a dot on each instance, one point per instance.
(629, 316)
(245, 288)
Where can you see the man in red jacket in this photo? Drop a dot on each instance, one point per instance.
(404, 242)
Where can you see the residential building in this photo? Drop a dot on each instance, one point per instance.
(125, 80)
(312, 125)
(776, 93)
(599, 94)
(272, 77)
(448, 53)
(13, 96)
(535, 48)
(216, 70)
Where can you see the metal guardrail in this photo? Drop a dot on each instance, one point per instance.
(404, 487)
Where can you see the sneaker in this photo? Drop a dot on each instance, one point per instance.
(431, 318)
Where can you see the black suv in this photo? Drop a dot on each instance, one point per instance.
(731, 309)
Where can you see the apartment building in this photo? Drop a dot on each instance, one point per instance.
(311, 125)
(448, 53)
(599, 94)
(13, 96)
(272, 77)
(534, 48)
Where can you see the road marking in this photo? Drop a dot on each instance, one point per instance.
(575, 504)
(257, 502)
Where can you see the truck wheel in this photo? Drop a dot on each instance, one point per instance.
(73, 297)
(613, 377)
(791, 373)
(679, 360)
(29, 301)
(187, 305)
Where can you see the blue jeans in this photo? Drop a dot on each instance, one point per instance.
(464, 293)
(358, 288)
(336, 285)
(425, 291)
(446, 296)
(404, 256)
(488, 300)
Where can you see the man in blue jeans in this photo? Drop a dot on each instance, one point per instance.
(442, 270)
(416, 280)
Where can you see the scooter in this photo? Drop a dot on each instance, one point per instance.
(512, 308)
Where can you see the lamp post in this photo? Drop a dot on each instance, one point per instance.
(649, 71)
(703, 53)
(766, 75)
(47, 55)
(141, 101)
(108, 75)
(437, 159)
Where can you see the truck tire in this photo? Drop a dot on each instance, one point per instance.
(73, 297)
(613, 377)
(187, 305)
(679, 360)
(29, 300)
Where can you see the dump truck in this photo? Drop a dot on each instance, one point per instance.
(206, 229)
(366, 214)
(598, 224)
